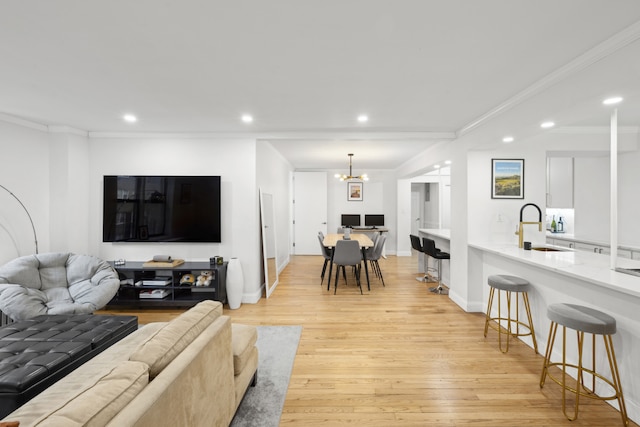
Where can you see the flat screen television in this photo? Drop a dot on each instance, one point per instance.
(161, 209)
(373, 220)
(350, 220)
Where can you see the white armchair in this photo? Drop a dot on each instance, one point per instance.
(55, 283)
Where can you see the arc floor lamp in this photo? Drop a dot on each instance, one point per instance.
(35, 236)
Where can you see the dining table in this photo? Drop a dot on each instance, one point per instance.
(364, 241)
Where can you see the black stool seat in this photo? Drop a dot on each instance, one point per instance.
(36, 353)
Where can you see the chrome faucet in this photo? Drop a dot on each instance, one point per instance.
(520, 228)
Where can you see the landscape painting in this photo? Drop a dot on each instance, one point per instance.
(507, 178)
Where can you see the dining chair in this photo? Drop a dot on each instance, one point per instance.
(374, 254)
(326, 253)
(347, 253)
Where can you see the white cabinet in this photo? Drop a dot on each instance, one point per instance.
(624, 253)
(563, 243)
(597, 249)
(559, 182)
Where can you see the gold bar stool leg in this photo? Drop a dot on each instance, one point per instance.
(583, 320)
(513, 326)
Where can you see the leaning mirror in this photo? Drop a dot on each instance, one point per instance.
(268, 231)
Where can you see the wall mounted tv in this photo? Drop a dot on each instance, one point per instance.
(161, 209)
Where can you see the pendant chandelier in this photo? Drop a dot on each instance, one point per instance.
(343, 177)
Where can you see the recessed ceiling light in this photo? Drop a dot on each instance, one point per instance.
(247, 118)
(547, 125)
(447, 162)
(436, 166)
(363, 118)
(613, 100)
(507, 139)
(130, 118)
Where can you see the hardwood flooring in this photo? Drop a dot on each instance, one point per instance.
(401, 356)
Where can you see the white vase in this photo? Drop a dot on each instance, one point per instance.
(235, 283)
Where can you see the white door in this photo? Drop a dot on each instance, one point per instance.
(309, 212)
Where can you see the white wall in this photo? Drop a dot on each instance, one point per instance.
(496, 220)
(233, 160)
(24, 172)
(273, 175)
(378, 197)
(628, 199)
(69, 190)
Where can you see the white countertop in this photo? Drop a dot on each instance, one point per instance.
(582, 265)
(443, 233)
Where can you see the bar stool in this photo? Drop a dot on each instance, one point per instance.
(519, 286)
(583, 319)
(416, 245)
(429, 247)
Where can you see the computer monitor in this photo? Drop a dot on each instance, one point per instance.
(350, 220)
(374, 220)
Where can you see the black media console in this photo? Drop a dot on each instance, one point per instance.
(138, 284)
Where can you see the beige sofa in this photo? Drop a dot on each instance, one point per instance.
(192, 371)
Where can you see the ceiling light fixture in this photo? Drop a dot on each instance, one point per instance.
(613, 100)
(363, 118)
(362, 177)
(547, 125)
(507, 139)
(447, 162)
(130, 118)
(247, 118)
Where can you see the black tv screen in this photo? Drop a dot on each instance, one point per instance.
(350, 220)
(373, 220)
(161, 209)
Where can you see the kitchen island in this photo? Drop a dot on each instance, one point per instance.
(576, 277)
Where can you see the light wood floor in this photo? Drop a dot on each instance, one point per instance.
(401, 356)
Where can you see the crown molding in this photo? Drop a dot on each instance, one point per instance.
(593, 55)
(594, 130)
(67, 130)
(23, 122)
(314, 135)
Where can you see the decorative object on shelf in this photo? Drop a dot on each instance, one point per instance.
(33, 227)
(343, 177)
(507, 178)
(187, 279)
(216, 260)
(235, 283)
(204, 279)
(163, 264)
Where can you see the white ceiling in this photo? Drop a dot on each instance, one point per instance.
(423, 70)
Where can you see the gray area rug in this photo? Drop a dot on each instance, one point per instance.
(262, 404)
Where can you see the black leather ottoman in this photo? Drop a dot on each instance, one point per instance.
(37, 352)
